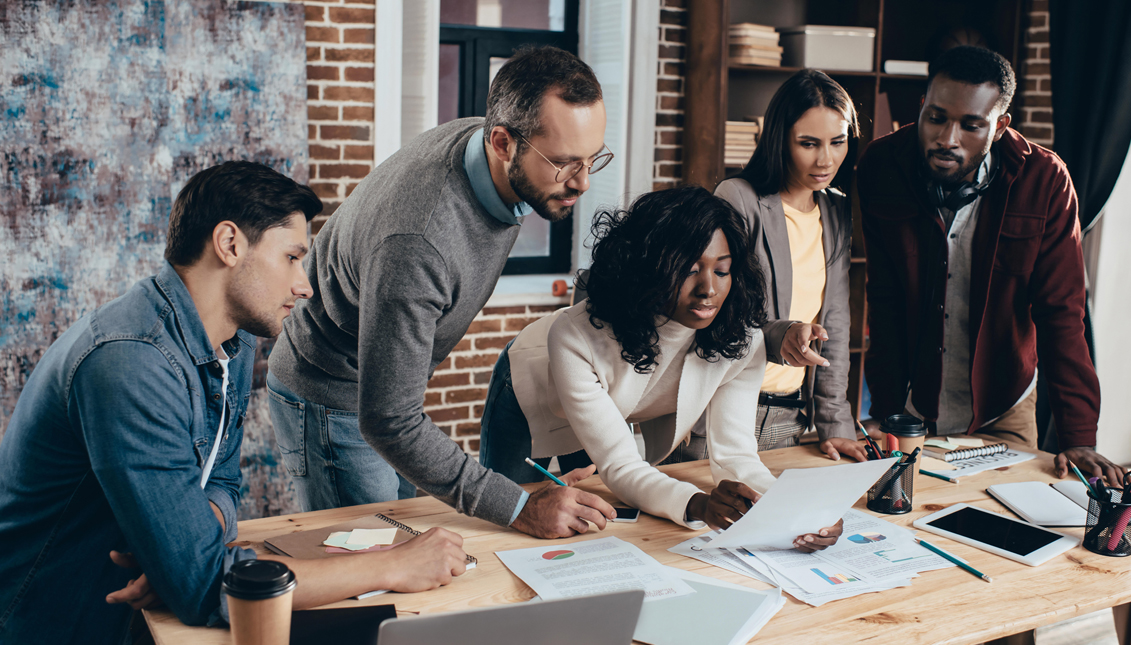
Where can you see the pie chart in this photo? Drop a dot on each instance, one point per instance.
(865, 538)
(557, 555)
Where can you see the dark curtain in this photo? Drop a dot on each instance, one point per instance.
(1090, 63)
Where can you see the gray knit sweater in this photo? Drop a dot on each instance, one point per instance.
(398, 274)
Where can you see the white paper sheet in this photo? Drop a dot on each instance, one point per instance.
(371, 537)
(802, 501)
(592, 567)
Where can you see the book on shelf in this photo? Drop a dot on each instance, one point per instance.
(756, 60)
(752, 28)
(745, 126)
(758, 44)
(741, 51)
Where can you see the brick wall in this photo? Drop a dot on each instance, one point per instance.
(339, 81)
(1034, 105)
(456, 394)
(667, 169)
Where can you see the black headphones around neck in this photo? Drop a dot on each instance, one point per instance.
(962, 195)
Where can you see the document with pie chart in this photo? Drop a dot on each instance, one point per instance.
(592, 567)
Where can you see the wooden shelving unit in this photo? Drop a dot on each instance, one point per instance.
(717, 90)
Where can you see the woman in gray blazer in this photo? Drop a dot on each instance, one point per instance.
(801, 233)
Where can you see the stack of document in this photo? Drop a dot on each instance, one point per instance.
(679, 606)
(871, 555)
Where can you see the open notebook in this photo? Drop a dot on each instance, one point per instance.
(308, 545)
(1063, 503)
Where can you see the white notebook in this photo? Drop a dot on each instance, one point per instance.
(1040, 503)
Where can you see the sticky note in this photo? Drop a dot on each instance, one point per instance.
(370, 537)
(967, 442)
(941, 443)
(935, 465)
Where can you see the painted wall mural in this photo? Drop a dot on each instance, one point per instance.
(107, 108)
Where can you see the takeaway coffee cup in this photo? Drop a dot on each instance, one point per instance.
(909, 433)
(259, 602)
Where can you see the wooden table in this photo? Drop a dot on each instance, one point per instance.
(947, 606)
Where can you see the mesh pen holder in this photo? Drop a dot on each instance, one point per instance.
(1108, 529)
(891, 494)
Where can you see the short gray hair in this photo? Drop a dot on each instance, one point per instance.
(515, 98)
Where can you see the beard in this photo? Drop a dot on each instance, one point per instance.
(539, 201)
(955, 176)
(240, 297)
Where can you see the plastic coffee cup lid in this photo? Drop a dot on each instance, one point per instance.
(258, 580)
(904, 425)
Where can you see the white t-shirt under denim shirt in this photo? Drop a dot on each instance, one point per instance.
(223, 421)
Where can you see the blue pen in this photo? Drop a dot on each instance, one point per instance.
(545, 472)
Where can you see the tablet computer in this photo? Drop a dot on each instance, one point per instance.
(1026, 543)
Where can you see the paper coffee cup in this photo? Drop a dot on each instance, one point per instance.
(910, 433)
(260, 593)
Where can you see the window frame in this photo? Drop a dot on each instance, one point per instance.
(477, 46)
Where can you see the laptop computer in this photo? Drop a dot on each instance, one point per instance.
(608, 619)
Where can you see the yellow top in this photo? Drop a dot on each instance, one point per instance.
(807, 252)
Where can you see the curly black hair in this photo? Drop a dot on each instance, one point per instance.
(642, 256)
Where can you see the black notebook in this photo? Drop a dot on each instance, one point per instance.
(345, 626)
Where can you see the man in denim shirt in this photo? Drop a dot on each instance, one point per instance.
(123, 451)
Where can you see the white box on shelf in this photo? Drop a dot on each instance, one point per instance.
(828, 47)
(906, 67)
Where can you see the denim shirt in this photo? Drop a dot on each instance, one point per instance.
(105, 450)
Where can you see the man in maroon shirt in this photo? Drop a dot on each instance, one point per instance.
(974, 263)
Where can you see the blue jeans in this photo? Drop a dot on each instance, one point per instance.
(329, 462)
(504, 435)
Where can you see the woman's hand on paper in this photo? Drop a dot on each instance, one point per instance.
(563, 511)
(825, 538)
(427, 561)
(728, 502)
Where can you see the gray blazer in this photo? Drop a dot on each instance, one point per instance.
(825, 388)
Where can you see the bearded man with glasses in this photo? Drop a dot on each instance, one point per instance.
(400, 271)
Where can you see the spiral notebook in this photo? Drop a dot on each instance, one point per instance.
(307, 545)
(965, 453)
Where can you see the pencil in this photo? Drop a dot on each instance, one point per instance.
(545, 472)
(1084, 481)
(954, 559)
(938, 476)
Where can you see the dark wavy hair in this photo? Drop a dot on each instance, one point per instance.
(642, 256)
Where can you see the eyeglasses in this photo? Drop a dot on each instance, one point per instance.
(570, 170)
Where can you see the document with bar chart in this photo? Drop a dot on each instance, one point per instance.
(872, 555)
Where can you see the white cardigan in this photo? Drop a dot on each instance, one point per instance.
(576, 392)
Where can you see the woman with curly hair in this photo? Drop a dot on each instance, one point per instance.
(670, 331)
(801, 231)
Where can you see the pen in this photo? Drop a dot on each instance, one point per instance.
(868, 440)
(545, 472)
(938, 476)
(954, 559)
(1085, 481)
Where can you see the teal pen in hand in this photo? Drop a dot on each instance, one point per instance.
(545, 472)
(930, 547)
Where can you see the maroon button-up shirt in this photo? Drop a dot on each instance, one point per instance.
(1026, 286)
